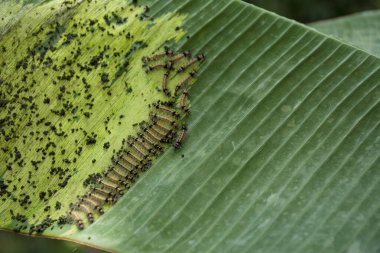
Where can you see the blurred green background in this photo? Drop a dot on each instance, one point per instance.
(304, 11)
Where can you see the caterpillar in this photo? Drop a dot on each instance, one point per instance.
(126, 165)
(152, 135)
(166, 109)
(183, 101)
(149, 128)
(104, 192)
(158, 130)
(184, 81)
(156, 117)
(180, 56)
(167, 66)
(101, 198)
(129, 163)
(117, 177)
(93, 204)
(181, 136)
(112, 169)
(154, 143)
(87, 210)
(198, 58)
(159, 127)
(165, 84)
(133, 156)
(146, 143)
(113, 177)
(155, 67)
(114, 187)
(75, 215)
(164, 127)
(147, 140)
(142, 152)
(134, 143)
(166, 52)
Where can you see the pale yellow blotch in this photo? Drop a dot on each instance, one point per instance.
(134, 105)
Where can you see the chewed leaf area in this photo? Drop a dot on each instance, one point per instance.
(91, 93)
(165, 127)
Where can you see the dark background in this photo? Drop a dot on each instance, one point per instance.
(14, 243)
(304, 11)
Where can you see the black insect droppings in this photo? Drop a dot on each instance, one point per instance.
(72, 79)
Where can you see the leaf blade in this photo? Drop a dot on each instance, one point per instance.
(168, 232)
(283, 130)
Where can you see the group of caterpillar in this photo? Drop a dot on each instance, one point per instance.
(169, 60)
(163, 127)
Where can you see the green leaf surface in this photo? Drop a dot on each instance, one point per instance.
(360, 30)
(282, 153)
